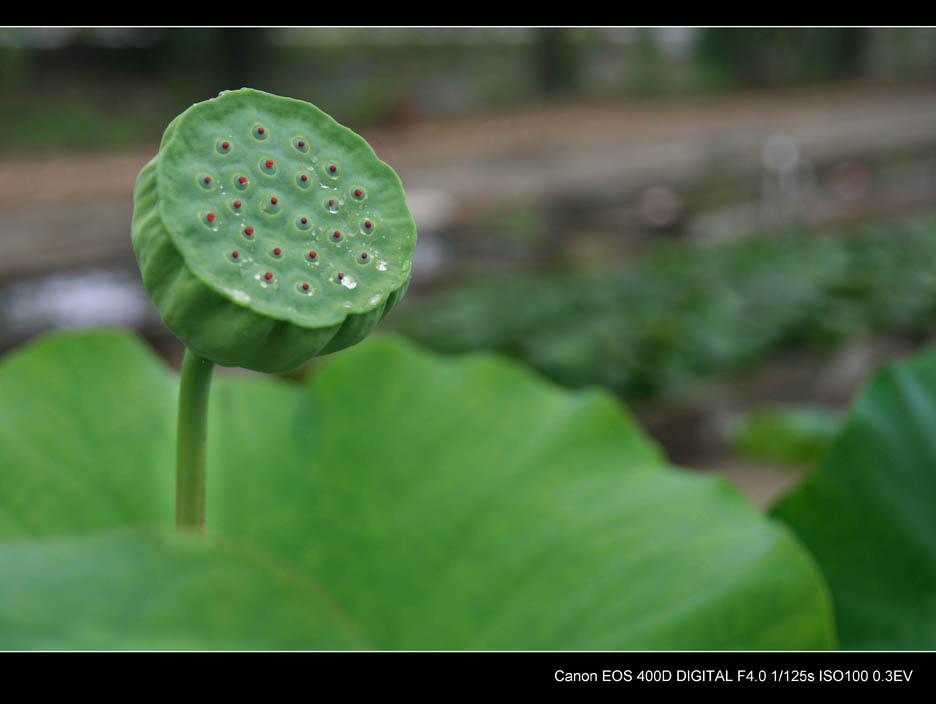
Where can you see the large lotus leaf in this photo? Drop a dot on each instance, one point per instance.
(87, 437)
(403, 500)
(869, 512)
(159, 591)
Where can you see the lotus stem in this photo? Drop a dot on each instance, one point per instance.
(190, 449)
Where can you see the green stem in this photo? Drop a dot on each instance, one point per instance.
(190, 448)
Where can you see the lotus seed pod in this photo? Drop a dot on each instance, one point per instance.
(267, 233)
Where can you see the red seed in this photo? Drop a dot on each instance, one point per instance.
(312, 255)
(207, 179)
(269, 163)
(305, 287)
(237, 204)
(304, 177)
(340, 275)
(368, 224)
(235, 254)
(363, 255)
(274, 201)
(210, 217)
(304, 220)
(277, 251)
(333, 168)
(358, 192)
(242, 179)
(336, 234)
(301, 143)
(260, 130)
(248, 231)
(225, 145)
(331, 203)
(268, 276)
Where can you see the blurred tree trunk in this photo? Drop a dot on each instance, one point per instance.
(558, 61)
(241, 51)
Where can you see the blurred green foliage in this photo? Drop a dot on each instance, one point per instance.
(795, 435)
(762, 56)
(685, 311)
(370, 76)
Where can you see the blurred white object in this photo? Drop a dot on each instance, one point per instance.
(786, 183)
(432, 210)
(780, 153)
(76, 300)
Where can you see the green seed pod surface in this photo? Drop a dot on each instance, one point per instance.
(267, 233)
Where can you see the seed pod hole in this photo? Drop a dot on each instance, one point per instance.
(241, 182)
(303, 180)
(260, 132)
(301, 144)
(302, 222)
(343, 279)
(271, 205)
(268, 166)
(237, 206)
(223, 146)
(331, 169)
(248, 232)
(304, 288)
(363, 258)
(367, 226)
(358, 193)
(206, 181)
(276, 252)
(331, 205)
(336, 236)
(312, 256)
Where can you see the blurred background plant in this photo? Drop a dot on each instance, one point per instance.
(708, 222)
